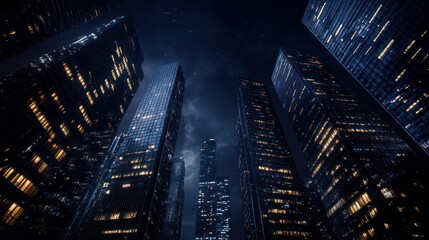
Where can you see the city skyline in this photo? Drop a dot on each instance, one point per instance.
(216, 43)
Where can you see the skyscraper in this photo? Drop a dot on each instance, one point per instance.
(132, 200)
(23, 23)
(49, 108)
(176, 195)
(274, 204)
(384, 45)
(214, 209)
(370, 183)
(223, 209)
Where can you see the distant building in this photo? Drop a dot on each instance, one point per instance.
(273, 198)
(371, 184)
(223, 209)
(214, 208)
(384, 44)
(24, 23)
(59, 113)
(131, 202)
(176, 195)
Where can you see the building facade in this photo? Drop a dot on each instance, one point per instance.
(53, 111)
(176, 195)
(371, 184)
(383, 44)
(214, 208)
(131, 202)
(273, 198)
(24, 23)
(223, 209)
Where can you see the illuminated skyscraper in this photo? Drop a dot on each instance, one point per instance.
(53, 111)
(274, 203)
(223, 209)
(372, 186)
(176, 195)
(214, 209)
(132, 200)
(383, 44)
(24, 23)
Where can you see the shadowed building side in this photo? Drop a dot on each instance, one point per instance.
(176, 195)
(274, 201)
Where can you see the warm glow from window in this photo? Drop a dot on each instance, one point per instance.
(361, 201)
(20, 181)
(41, 118)
(12, 214)
(85, 115)
(81, 80)
(120, 231)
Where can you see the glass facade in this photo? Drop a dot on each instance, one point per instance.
(223, 209)
(24, 23)
(176, 195)
(372, 186)
(274, 202)
(58, 113)
(131, 200)
(383, 44)
(214, 209)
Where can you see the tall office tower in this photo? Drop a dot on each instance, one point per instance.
(383, 44)
(205, 227)
(176, 196)
(223, 209)
(48, 108)
(370, 183)
(24, 23)
(274, 204)
(213, 212)
(132, 200)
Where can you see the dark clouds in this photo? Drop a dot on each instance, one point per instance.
(215, 42)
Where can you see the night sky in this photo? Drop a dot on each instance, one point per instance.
(215, 43)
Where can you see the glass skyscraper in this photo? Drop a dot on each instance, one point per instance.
(214, 209)
(223, 209)
(131, 202)
(24, 23)
(383, 44)
(56, 112)
(171, 229)
(372, 186)
(273, 198)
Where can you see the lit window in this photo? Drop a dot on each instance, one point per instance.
(361, 201)
(386, 49)
(65, 129)
(20, 181)
(41, 118)
(85, 115)
(130, 215)
(12, 214)
(114, 216)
